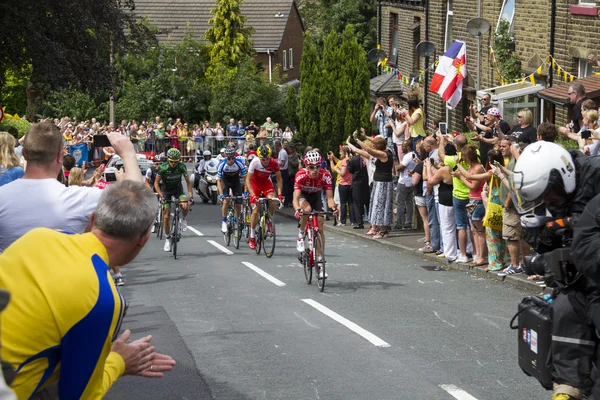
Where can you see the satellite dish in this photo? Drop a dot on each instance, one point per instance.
(425, 49)
(376, 55)
(478, 26)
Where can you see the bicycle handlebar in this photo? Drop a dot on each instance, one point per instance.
(316, 213)
(263, 199)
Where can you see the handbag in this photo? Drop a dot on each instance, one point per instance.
(493, 212)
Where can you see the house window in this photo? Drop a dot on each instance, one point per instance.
(393, 55)
(507, 13)
(285, 60)
(449, 17)
(587, 2)
(416, 39)
(291, 59)
(585, 68)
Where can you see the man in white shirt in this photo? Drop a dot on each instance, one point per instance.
(283, 160)
(405, 189)
(39, 200)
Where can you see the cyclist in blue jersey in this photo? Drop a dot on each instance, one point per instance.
(230, 172)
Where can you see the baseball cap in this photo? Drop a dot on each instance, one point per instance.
(495, 112)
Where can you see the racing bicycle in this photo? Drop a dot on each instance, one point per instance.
(158, 223)
(175, 231)
(234, 226)
(313, 256)
(265, 236)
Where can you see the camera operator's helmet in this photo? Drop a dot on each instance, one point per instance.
(543, 167)
(159, 159)
(229, 152)
(312, 158)
(264, 151)
(207, 153)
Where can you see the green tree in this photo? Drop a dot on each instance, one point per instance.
(291, 107)
(331, 105)
(229, 41)
(13, 96)
(66, 43)
(71, 102)
(508, 61)
(310, 78)
(244, 94)
(354, 84)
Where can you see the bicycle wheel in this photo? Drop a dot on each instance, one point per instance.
(307, 261)
(319, 263)
(269, 236)
(246, 213)
(258, 235)
(175, 234)
(227, 235)
(237, 234)
(161, 225)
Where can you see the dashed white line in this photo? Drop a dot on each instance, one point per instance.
(197, 232)
(347, 323)
(220, 247)
(457, 392)
(262, 273)
(443, 320)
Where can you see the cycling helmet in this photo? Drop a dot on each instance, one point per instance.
(207, 153)
(541, 168)
(159, 158)
(174, 154)
(229, 152)
(263, 151)
(312, 158)
(222, 150)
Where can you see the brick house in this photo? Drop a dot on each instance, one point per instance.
(404, 25)
(278, 37)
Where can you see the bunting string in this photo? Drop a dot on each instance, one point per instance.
(410, 79)
(550, 62)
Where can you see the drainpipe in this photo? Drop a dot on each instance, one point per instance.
(379, 29)
(552, 29)
(426, 58)
(269, 54)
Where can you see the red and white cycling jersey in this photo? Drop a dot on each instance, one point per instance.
(306, 184)
(261, 174)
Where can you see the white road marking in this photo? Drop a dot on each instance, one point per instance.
(347, 323)
(443, 320)
(220, 247)
(263, 274)
(457, 392)
(197, 232)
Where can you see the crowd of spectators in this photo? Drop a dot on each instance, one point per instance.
(450, 181)
(155, 136)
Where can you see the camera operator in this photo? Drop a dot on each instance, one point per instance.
(382, 114)
(565, 182)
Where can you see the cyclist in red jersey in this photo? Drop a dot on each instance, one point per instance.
(307, 193)
(258, 183)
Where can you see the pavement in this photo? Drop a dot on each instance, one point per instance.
(387, 326)
(410, 242)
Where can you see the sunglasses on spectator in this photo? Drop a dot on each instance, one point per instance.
(570, 93)
(519, 116)
(313, 167)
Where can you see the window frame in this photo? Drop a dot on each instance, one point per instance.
(291, 57)
(285, 60)
(394, 37)
(512, 17)
(582, 62)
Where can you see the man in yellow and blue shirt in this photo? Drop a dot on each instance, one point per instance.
(66, 312)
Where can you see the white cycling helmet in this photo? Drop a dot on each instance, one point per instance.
(542, 167)
(207, 153)
(222, 150)
(312, 158)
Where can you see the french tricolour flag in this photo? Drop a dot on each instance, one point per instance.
(450, 73)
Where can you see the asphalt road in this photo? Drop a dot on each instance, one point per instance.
(237, 335)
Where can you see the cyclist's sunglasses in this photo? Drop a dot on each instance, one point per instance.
(230, 158)
(265, 159)
(174, 161)
(313, 167)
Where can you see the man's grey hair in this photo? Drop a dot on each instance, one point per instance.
(578, 88)
(126, 210)
(278, 143)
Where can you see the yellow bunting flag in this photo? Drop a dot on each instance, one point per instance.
(565, 75)
(558, 70)
(548, 59)
(532, 79)
(572, 78)
(539, 70)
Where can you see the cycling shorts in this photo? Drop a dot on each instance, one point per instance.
(314, 199)
(263, 189)
(234, 185)
(177, 193)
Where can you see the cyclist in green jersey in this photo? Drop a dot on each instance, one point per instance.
(168, 184)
